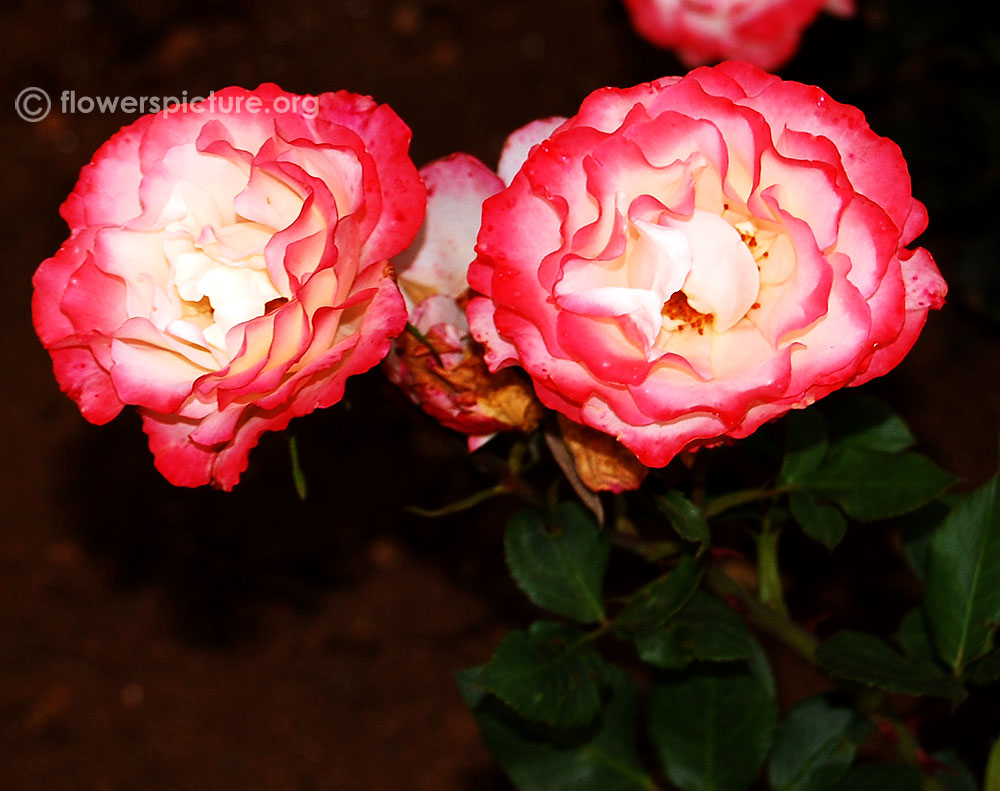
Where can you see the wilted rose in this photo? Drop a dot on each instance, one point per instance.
(437, 363)
(227, 269)
(686, 259)
(763, 32)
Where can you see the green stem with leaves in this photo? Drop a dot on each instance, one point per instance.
(769, 589)
(777, 625)
(725, 502)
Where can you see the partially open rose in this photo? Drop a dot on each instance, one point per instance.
(763, 32)
(684, 260)
(227, 269)
(437, 363)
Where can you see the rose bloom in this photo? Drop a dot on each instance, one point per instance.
(686, 259)
(227, 269)
(763, 32)
(437, 363)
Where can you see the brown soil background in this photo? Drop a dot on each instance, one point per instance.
(156, 638)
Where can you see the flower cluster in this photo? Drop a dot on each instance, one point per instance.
(673, 266)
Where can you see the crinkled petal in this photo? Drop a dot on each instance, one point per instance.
(520, 142)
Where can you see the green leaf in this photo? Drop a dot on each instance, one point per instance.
(821, 521)
(685, 517)
(991, 778)
(814, 746)
(712, 725)
(651, 606)
(915, 640)
(985, 671)
(806, 444)
(706, 629)
(881, 777)
(918, 529)
(863, 657)
(550, 673)
(561, 570)
(599, 758)
(864, 421)
(963, 577)
(872, 485)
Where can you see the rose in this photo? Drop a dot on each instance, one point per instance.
(227, 269)
(763, 32)
(686, 259)
(437, 363)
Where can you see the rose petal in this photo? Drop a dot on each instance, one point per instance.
(520, 142)
(438, 261)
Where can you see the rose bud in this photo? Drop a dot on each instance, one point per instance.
(437, 363)
(684, 260)
(227, 269)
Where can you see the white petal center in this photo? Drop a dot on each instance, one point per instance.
(724, 280)
(224, 267)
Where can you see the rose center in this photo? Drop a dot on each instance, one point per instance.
(678, 309)
(221, 277)
(722, 280)
(757, 240)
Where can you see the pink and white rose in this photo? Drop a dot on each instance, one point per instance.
(765, 33)
(228, 268)
(687, 259)
(437, 363)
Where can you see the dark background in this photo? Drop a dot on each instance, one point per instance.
(160, 638)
